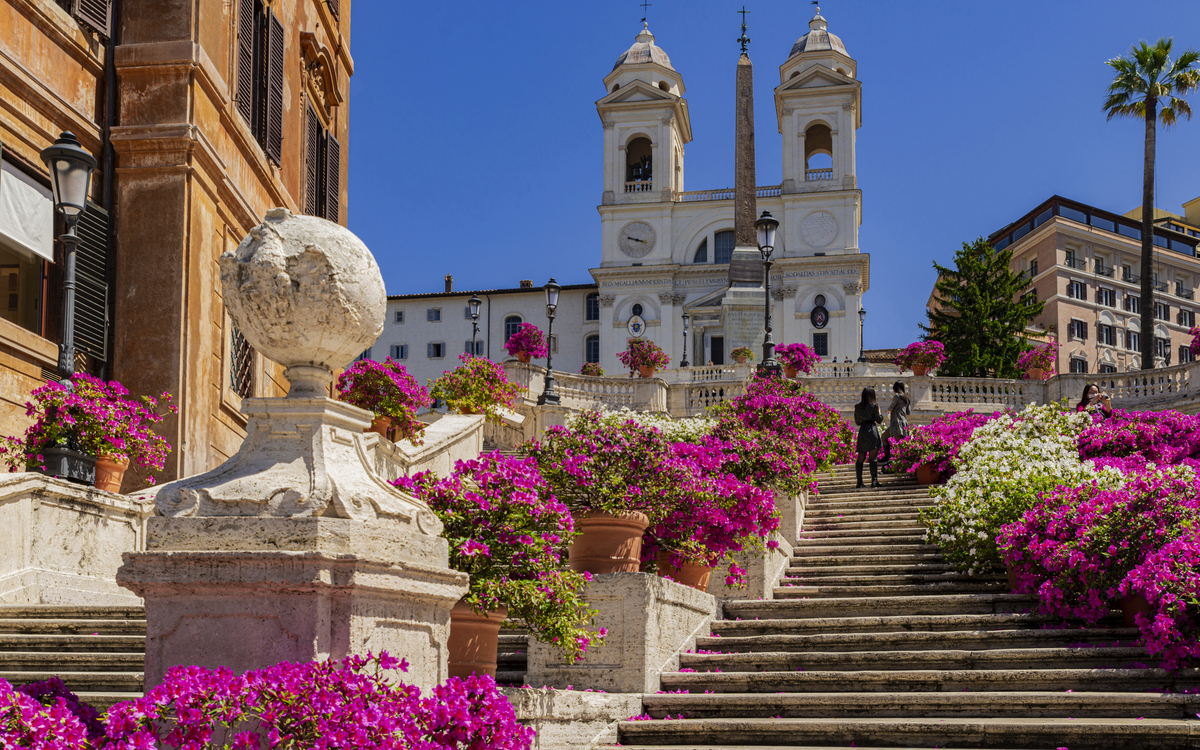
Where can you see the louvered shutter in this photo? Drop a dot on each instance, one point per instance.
(334, 7)
(245, 61)
(429, 350)
(91, 283)
(333, 177)
(274, 139)
(95, 13)
(1083, 330)
(313, 187)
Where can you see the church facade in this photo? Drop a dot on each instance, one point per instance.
(666, 251)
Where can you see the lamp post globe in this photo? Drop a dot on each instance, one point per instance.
(70, 169)
(766, 227)
(686, 319)
(862, 352)
(549, 395)
(473, 305)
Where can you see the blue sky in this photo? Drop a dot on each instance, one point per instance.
(475, 147)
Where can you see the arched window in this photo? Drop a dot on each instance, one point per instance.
(701, 252)
(591, 349)
(818, 152)
(593, 307)
(724, 246)
(511, 324)
(639, 166)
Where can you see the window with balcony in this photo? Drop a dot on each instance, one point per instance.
(1102, 267)
(1106, 297)
(1128, 276)
(639, 166)
(818, 153)
(1072, 261)
(1183, 289)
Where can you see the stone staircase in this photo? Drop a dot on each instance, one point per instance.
(98, 652)
(872, 640)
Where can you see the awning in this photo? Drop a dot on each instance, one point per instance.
(26, 214)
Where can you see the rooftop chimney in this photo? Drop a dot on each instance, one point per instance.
(449, 283)
(527, 283)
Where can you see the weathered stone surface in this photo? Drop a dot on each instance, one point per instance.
(61, 543)
(449, 439)
(650, 621)
(572, 719)
(763, 573)
(791, 515)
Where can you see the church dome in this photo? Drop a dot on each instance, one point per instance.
(644, 50)
(818, 39)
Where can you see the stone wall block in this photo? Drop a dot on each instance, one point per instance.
(572, 719)
(762, 573)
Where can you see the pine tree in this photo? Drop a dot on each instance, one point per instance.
(981, 320)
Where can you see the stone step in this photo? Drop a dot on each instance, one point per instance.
(510, 677)
(862, 606)
(877, 540)
(1078, 734)
(835, 560)
(49, 625)
(1097, 657)
(935, 680)
(64, 612)
(795, 578)
(1033, 704)
(865, 521)
(74, 642)
(864, 550)
(104, 700)
(120, 682)
(72, 661)
(866, 532)
(829, 571)
(936, 623)
(969, 586)
(755, 747)
(876, 500)
(919, 641)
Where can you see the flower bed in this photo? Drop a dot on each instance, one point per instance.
(938, 443)
(477, 386)
(386, 390)
(509, 532)
(1039, 358)
(800, 356)
(528, 339)
(928, 354)
(641, 353)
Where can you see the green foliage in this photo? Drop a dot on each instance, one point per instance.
(981, 321)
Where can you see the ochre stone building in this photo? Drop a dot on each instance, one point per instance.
(203, 114)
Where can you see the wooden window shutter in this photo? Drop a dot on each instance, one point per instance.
(1083, 326)
(274, 139)
(333, 177)
(334, 7)
(91, 291)
(96, 14)
(245, 59)
(313, 186)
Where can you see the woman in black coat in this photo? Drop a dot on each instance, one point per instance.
(868, 418)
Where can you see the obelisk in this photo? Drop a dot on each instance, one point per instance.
(742, 306)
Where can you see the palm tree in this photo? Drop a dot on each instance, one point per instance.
(1149, 85)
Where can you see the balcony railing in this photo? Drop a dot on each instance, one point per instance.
(818, 174)
(725, 194)
(1184, 293)
(1104, 271)
(1131, 278)
(1080, 263)
(1160, 286)
(639, 186)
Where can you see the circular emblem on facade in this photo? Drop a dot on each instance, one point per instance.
(819, 300)
(819, 317)
(637, 239)
(637, 326)
(819, 229)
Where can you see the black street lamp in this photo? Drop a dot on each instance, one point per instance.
(862, 353)
(766, 226)
(549, 396)
(686, 319)
(70, 172)
(473, 306)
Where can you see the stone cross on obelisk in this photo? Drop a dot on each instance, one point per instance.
(742, 306)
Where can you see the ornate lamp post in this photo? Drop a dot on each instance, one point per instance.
(686, 319)
(549, 396)
(862, 353)
(473, 305)
(70, 172)
(766, 226)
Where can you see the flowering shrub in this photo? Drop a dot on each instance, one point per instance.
(509, 532)
(1195, 345)
(689, 430)
(930, 354)
(387, 390)
(477, 386)
(96, 417)
(781, 435)
(800, 356)
(592, 369)
(325, 704)
(1169, 578)
(1160, 437)
(742, 353)
(46, 716)
(938, 442)
(529, 339)
(1039, 358)
(643, 353)
(1000, 472)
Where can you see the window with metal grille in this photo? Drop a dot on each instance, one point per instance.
(399, 351)
(241, 364)
(821, 344)
(591, 348)
(724, 242)
(433, 314)
(512, 324)
(593, 307)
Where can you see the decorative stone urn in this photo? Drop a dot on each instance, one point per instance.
(295, 548)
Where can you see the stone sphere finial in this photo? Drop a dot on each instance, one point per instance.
(306, 293)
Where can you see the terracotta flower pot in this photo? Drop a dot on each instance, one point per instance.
(920, 370)
(740, 360)
(1012, 577)
(690, 574)
(110, 472)
(1131, 606)
(790, 372)
(380, 426)
(1035, 373)
(473, 640)
(926, 474)
(523, 357)
(608, 543)
(646, 371)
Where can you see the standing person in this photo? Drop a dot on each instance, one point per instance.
(868, 418)
(898, 419)
(1094, 401)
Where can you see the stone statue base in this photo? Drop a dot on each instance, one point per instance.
(250, 592)
(742, 316)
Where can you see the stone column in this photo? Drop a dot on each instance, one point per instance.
(296, 548)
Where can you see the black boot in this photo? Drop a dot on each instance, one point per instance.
(874, 474)
(858, 470)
